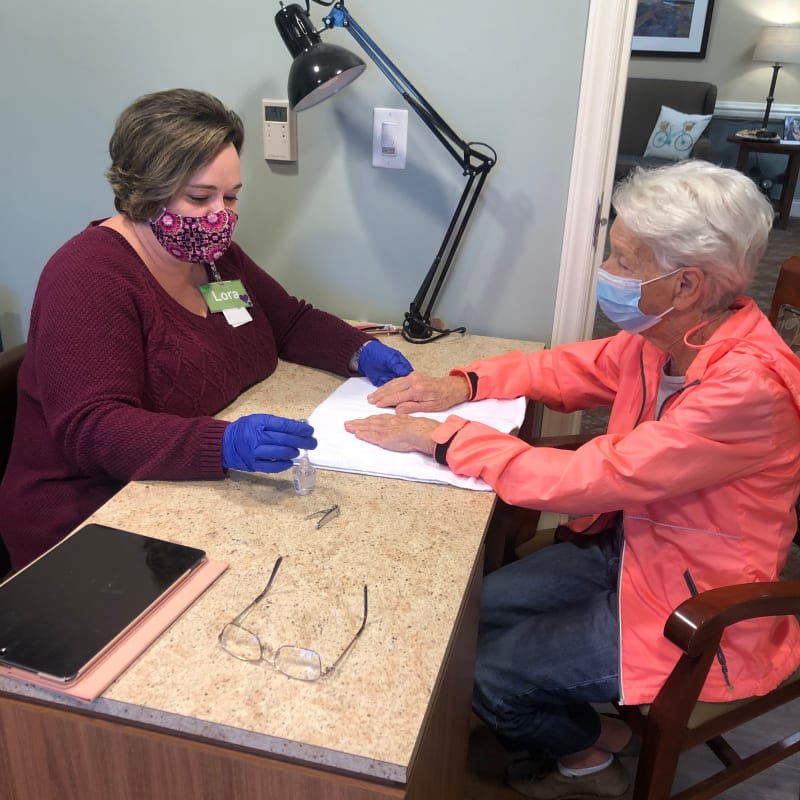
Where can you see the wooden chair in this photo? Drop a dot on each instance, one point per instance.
(10, 361)
(785, 312)
(676, 722)
(787, 288)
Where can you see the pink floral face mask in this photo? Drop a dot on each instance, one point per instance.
(201, 240)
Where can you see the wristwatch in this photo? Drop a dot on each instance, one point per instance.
(355, 357)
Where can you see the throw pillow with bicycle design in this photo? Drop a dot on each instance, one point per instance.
(675, 134)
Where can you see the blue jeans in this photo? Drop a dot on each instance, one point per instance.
(548, 646)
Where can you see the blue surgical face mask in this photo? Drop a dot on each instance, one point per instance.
(619, 299)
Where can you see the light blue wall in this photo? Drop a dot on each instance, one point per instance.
(347, 237)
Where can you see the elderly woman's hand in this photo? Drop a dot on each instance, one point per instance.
(395, 432)
(420, 392)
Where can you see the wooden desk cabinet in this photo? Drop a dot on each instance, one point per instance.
(188, 722)
(53, 753)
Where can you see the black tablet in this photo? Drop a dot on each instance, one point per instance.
(63, 610)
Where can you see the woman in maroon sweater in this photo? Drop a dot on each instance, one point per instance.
(127, 359)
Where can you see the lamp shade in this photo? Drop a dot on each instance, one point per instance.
(778, 44)
(319, 69)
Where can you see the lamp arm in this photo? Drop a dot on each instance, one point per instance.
(475, 167)
(340, 17)
(417, 326)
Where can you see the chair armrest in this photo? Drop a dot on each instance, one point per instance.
(703, 149)
(565, 442)
(511, 526)
(787, 287)
(700, 621)
(10, 361)
(531, 424)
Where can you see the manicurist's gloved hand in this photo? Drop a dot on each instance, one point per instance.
(381, 363)
(264, 443)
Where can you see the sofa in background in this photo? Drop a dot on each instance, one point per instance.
(643, 100)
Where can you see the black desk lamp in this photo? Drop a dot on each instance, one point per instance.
(320, 70)
(780, 45)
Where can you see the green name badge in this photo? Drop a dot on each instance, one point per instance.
(222, 295)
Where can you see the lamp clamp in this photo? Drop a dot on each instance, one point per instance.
(337, 18)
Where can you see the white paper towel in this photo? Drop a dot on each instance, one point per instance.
(340, 450)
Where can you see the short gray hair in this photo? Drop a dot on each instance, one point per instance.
(697, 214)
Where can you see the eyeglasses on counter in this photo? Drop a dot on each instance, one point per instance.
(301, 663)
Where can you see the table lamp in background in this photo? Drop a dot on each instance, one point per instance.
(320, 70)
(780, 45)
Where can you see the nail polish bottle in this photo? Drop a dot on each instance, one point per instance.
(304, 476)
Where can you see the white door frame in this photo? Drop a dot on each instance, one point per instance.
(602, 94)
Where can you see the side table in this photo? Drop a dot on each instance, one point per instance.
(783, 204)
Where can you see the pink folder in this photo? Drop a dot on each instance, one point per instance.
(91, 683)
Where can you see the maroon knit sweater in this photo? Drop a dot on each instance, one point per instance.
(120, 382)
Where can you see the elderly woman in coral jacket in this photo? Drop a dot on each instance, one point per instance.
(703, 440)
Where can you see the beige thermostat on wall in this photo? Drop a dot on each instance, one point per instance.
(280, 130)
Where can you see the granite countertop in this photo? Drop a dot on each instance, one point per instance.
(415, 546)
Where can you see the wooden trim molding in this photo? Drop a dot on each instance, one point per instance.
(736, 109)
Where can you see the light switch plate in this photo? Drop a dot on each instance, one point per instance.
(389, 137)
(279, 124)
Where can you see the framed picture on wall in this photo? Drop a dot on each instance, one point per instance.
(672, 28)
(791, 129)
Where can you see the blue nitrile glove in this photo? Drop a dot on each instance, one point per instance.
(264, 443)
(381, 363)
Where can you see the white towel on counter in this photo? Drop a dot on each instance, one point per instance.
(340, 450)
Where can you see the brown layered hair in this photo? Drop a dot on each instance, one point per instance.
(160, 141)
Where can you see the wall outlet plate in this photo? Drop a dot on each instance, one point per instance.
(389, 137)
(279, 124)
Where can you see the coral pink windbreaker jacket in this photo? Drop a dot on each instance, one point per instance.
(708, 484)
